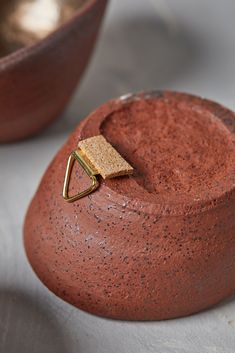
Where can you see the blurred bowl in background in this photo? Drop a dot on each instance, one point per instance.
(44, 48)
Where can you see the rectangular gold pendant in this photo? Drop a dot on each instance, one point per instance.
(96, 156)
(103, 156)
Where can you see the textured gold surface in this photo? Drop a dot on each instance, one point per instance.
(106, 160)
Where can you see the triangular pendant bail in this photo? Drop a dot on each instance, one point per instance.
(77, 156)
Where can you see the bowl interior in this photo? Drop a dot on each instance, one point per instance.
(24, 22)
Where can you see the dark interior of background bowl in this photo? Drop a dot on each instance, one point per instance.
(44, 48)
(24, 22)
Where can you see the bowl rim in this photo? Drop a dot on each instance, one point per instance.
(191, 207)
(27, 51)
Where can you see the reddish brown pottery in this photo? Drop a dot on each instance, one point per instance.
(159, 244)
(37, 81)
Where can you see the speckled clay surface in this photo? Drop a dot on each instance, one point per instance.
(159, 244)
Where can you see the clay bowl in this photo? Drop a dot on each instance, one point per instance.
(156, 245)
(44, 48)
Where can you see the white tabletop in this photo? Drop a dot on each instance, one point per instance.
(184, 45)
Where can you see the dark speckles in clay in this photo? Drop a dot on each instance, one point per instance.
(156, 245)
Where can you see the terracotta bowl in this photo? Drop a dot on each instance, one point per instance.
(44, 48)
(156, 245)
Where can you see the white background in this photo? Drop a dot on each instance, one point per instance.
(187, 45)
